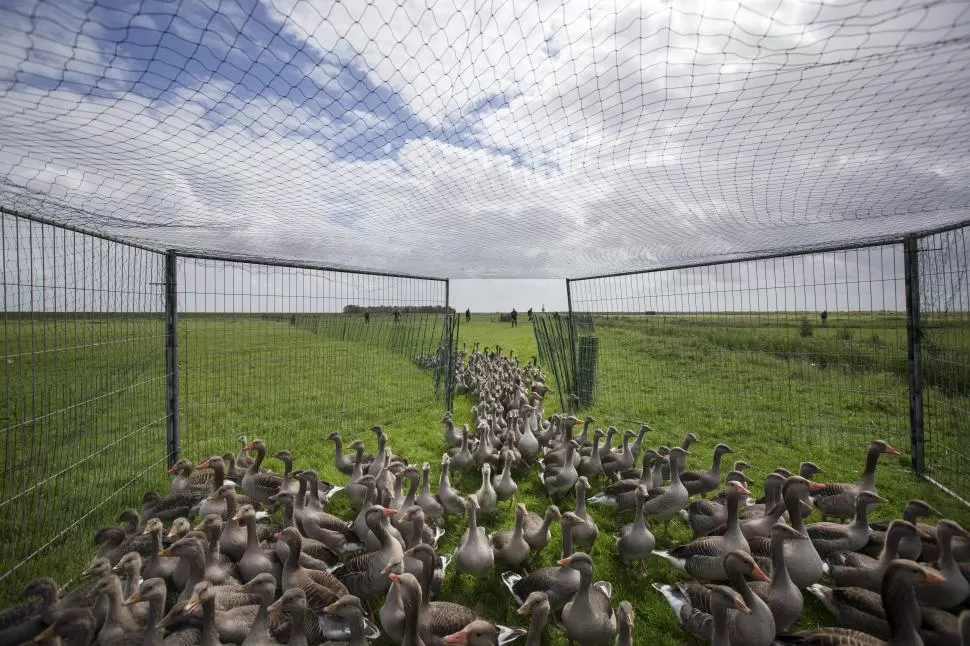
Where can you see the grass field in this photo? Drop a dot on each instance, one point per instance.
(294, 383)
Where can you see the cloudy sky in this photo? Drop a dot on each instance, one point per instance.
(502, 139)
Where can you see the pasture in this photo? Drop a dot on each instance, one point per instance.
(293, 383)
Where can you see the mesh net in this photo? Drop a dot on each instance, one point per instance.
(504, 138)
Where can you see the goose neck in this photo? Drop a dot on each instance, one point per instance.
(779, 566)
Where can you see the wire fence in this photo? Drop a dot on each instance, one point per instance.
(810, 349)
(944, 297)
(82, 415)
(88, 422)
(286, 353)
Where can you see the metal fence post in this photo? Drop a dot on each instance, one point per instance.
(914, 366)
(172, 356)
(572, 340)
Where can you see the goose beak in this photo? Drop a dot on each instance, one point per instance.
(276, 605)
(202, 465)
(249, 447)
(239, 515)
(198, 527)
(192, 603)
(933, 577)
(45, 635)
(891, 451)
(460, 637)
(759, 574)
(163, 552)
(388, 511)
(741, 606)
(565, 562)
(134, 598)
(392, 576)
(816, 486)
(172, 469)
(743, 489)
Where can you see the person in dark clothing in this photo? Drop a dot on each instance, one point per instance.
(397, 316)
(530, 314)
(468, 315)
(515, 317)
(367, 317)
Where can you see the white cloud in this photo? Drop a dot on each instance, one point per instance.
(630, 134)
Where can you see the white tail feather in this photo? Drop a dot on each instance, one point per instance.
(510, 579)
(678, 563)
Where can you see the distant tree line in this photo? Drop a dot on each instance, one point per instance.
(407, 309)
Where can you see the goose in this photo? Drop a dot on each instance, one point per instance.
(558, 583)
(954, 590)
(901, 612)
(782, 596)
(363, 574)
(591, 465)
(830, 537)
(119, 620)
(482, 632)
(536, 607)
(288, 483)
(702, 482)
(257, 484)
(689, 439)
(158, 566)
(191, 568)
(130, 567)
(509, 547)
(293, 603)
(804, 563)
(254, 560)
(461, 458)
(588, 617)
(709, 517)
(219, 569)
(607, 447)
(320, 552)
(321, 588)
(614, 463)
(486, 496)
(670, 500)
(186, 476)
(411, 600)
(474, 554)
(233, 539)
(584, 535)
(356, 492)
(449, 496)
(910, 547)
(838, 499)
(535, 528)
(391, 613)
(621, 495)
(153, 592)
(432, 567)
(691, 603)
(528, 445)
(349, 608)
(173, 505)
(433, 509)
(452, 434)
(560, 479)
(505, 487)
(850, 569)
(723, 599)
(344, 461)
(635, 542)
(703, 558)
(75, 627)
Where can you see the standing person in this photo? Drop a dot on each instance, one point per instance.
(515, 317)
(468, 315)
(530, 314)
(397, 316)
(367, 317)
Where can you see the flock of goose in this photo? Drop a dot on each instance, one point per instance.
(267, 563)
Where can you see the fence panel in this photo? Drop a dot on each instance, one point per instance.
(290, 354)
(807, 348)
(82, 414)
(944, 287)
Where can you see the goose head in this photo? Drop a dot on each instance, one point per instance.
(152, 590)
(535, 601)
(347, 606)
(480, 632)
(740, 562)
(882, 446)
(293, 600)
(724, 597)
(183, 466)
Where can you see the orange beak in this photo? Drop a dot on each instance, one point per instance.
(564, 562)
(202, 465)
(933, 577)
(388, 511)
(760, 574)
(891, 451)
(173, 469)
(816, 486)
(392, 576)
(460, 637)
(248, 447)
(744, 489)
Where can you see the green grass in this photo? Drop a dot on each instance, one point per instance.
(293, 384)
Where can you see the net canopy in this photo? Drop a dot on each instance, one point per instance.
(494, 138)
